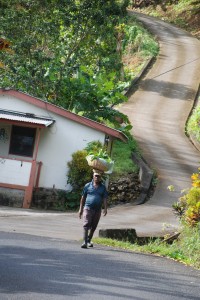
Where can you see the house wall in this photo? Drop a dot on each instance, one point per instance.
(57, 143)
(15, 172)
(56, 147)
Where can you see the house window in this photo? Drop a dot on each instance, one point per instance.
(22, 141)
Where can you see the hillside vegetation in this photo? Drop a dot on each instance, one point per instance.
(183, 13)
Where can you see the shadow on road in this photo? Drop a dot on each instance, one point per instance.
(168, 89)
(54, 267)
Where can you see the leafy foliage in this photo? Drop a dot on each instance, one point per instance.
(64, 53)
(68, 201)
(94, 146)
(100, 154)
(137, 39)
(80, 173)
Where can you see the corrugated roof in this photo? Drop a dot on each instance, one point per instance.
(25, 117)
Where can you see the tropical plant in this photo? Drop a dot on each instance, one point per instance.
(103, 154)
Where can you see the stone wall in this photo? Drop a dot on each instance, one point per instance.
(124, 190)
(46, 198)
(11, 197)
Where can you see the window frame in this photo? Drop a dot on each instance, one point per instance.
(26, 133)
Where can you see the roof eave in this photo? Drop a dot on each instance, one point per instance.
(65, 113)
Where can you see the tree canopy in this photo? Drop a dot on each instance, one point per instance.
(64, 51)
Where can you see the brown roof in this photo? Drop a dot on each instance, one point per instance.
(64, 113)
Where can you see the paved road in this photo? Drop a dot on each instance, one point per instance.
(158, 110)
(146, 221)
(33, 268)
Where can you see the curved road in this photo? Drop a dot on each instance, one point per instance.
(158, 110)
(49, 265)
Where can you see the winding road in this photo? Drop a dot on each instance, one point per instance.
(40, 257)
(159, 109)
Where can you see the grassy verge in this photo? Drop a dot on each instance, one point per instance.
(186, 249)
(138, 46)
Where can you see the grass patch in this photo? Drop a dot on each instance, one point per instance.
(186, 249)
(122, 156)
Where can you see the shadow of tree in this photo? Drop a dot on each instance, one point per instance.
(168, 89)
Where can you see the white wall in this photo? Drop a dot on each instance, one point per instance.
(14, 171)
(57, 142)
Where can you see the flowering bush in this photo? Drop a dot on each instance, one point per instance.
(188, 206)
(196, 179)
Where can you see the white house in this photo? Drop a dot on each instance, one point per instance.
(37, 140)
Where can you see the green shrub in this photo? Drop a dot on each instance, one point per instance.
(79, 171)
(68, 201)
(78, 175)
(193, 127)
